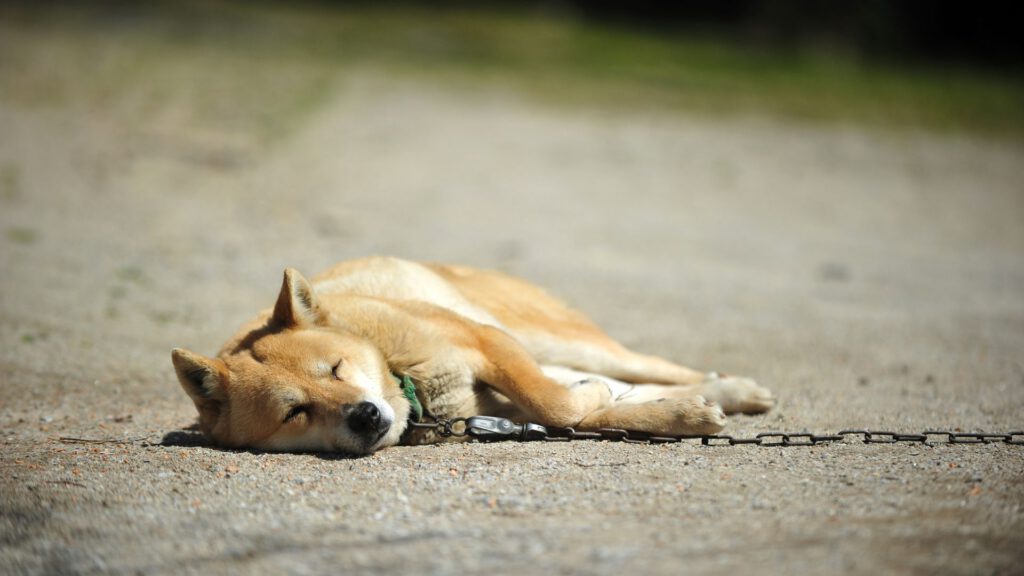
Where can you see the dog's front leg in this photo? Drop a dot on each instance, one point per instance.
(693, 415)
(509, 369)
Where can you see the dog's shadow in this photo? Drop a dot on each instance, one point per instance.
(191, 437)
(187, 437)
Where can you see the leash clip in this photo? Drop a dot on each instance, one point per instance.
(494, 428)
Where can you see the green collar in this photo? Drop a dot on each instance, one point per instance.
(409, 391)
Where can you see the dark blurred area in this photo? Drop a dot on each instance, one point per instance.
(985, 33)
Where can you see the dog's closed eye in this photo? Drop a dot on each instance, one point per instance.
(295, 412)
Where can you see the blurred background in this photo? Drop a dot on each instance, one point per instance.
(260, 67)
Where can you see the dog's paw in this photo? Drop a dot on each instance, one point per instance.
(689, 416)
(737, 394)
(694, 416)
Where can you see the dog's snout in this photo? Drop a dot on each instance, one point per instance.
(366, 418)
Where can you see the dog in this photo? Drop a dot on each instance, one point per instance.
(343, 363)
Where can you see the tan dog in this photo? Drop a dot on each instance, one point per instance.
(318, 373)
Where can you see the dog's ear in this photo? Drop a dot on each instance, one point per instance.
(297, 304)
(204, 379)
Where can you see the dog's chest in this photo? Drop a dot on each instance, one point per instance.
(445, 392)
(448, 393)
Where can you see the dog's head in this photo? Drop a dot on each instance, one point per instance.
(297, 382)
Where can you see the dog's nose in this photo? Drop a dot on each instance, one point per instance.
(365, 418)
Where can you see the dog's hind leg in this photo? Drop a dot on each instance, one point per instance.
(606, 358)
(733, 394)
(600, 354)
(555, 334)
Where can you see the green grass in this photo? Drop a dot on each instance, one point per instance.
(258, 69)
(22, 235)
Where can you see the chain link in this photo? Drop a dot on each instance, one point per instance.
(492, 428)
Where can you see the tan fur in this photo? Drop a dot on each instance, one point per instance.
(305, 375)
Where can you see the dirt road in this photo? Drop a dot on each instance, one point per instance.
(870, 279)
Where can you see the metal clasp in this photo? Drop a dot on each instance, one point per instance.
(494, 428)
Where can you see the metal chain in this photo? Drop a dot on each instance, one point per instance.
(491, 428)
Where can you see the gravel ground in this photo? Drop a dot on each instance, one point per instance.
(870, 279)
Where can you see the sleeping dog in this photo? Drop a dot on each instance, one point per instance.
(344, 362)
